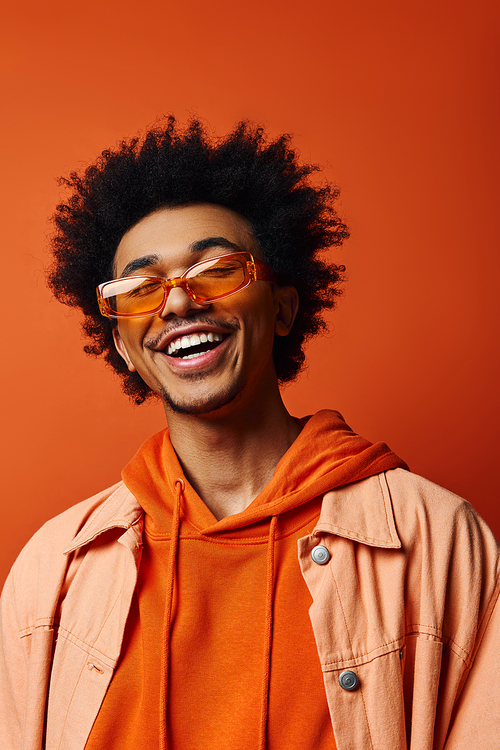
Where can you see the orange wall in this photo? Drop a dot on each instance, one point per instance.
(399, 103)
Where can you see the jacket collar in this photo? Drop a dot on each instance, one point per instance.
(361, 511)
(120, 510)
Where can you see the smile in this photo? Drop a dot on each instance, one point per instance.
(189, 347)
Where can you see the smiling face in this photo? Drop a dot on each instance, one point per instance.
(200, 358)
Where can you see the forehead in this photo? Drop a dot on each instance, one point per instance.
(170, 233)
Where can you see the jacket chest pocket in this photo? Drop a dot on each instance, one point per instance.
(357, 616)
(366, 702)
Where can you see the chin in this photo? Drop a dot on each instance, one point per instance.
(202, 405)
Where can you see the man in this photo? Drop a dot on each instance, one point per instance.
(255, 580)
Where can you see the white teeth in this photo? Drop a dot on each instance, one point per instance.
(185, 342)
(192, 356)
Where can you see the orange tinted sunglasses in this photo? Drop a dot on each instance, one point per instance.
(205, 282)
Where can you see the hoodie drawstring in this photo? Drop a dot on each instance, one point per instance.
(268, 634)
(268, 628)
(171, 568)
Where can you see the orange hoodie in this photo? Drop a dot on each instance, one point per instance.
(218, 650)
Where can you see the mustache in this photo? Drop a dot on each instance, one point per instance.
(228, 325)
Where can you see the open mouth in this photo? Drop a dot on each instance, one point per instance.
(189, 347)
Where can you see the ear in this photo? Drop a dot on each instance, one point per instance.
(121, 349)
(286, 300)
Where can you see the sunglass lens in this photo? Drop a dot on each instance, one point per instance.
(135, 297)
(218, 278)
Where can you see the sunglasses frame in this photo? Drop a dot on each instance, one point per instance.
(253, 268)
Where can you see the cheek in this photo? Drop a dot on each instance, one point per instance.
(133, 331)
(259, 323)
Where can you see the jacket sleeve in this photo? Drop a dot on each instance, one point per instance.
(476, 717)
(30, 610)
(452, 615)
(13, 670)
(26, 642)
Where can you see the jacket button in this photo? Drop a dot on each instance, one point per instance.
(320, 555)
(348, 680)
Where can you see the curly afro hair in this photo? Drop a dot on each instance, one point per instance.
(171, 166)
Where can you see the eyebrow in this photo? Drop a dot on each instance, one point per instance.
(199, 246)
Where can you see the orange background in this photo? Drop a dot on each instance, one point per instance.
(397, 101)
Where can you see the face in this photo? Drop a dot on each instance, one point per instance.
(231, 339)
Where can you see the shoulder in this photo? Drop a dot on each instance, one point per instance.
(446, 542)
(422, 507)
(435, 545)
(400, 510)
(49, 561)
(47, 548)
(63, 527)
(420, 491)
(451, 556)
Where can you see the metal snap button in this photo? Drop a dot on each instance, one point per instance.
(348, 680)
(320, 554)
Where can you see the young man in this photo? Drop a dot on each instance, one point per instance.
(255, 580)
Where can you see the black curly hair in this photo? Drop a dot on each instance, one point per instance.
(171, 166)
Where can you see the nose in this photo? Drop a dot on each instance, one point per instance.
(179, 303)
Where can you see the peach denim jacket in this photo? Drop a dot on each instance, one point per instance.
(406, 601)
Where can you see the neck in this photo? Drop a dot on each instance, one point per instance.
(229, 458)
